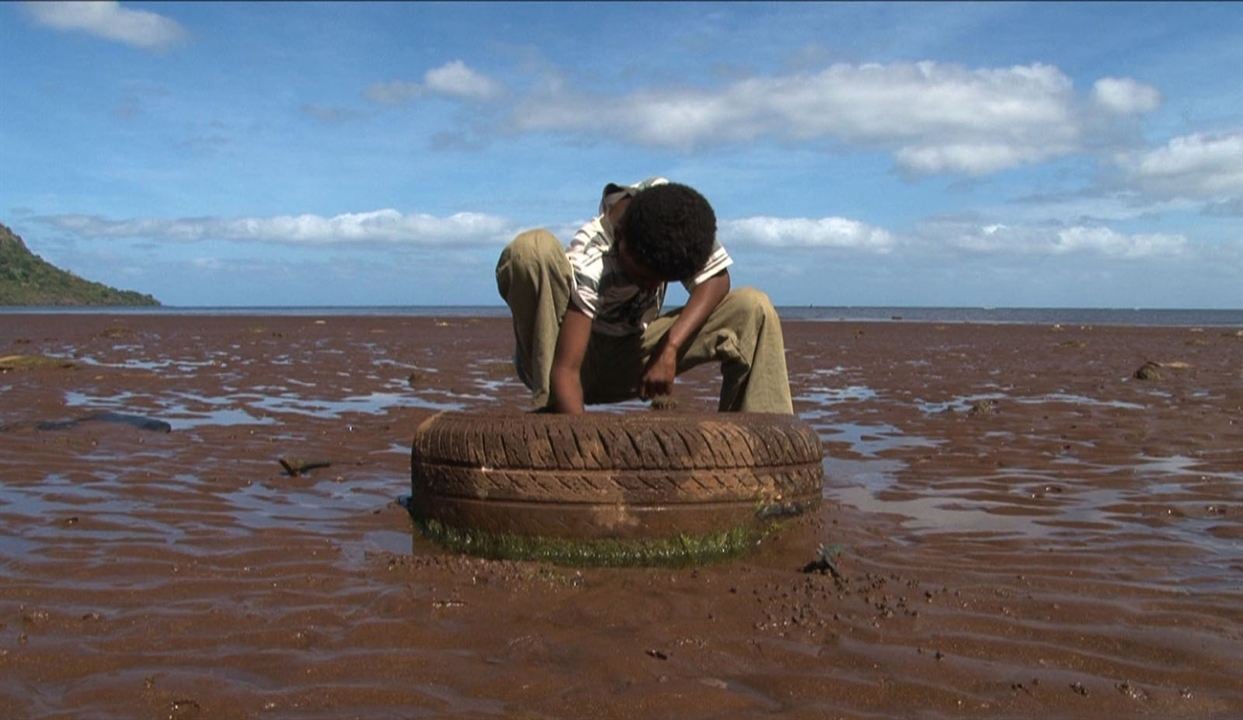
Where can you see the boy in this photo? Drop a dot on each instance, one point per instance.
(587, 319)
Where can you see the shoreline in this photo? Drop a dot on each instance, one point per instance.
(1104, 317)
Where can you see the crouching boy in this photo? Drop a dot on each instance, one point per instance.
(587, 318)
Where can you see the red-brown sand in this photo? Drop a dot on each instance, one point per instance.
(1025, 529)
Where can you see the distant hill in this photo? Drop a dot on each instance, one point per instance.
(27, 279)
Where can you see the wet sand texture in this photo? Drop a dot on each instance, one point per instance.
(1020, 527)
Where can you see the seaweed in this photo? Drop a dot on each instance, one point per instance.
(677, 551)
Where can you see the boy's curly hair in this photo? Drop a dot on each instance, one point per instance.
(670, 229)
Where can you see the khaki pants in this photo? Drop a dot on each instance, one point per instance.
(743, 333)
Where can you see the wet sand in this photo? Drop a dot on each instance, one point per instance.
(1024, 530)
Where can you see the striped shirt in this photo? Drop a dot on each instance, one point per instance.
(602, 291)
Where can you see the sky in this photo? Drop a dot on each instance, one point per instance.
(893, 154)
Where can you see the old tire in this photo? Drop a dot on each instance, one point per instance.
(601, 488)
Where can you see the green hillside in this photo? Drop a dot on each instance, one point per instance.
(27, 279)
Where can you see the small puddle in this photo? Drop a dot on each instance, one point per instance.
(186, 410)
(823, 400)
(176, 413)
(182, 366)
(964, 402)
(56, 499)
(1181, 465)
(961, 403)
(870, 440)
(1078, 400)
(260, 506)
(372, 404)
(946, 514)
(870, 475)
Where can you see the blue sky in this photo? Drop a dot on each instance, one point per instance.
(978, 154)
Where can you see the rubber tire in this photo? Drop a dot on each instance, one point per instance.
(640, 475)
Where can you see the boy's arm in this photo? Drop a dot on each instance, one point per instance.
(662, 367)
(567, 362)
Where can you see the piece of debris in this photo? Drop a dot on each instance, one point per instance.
(33, 362)
(116, 332)
(297, 466)
(664, 402)
(1079, 688)
(1132, 691)
(135, 421)
(1148, 371)
(658, 654)
(184, 709)
(824, 562)
(982, 407)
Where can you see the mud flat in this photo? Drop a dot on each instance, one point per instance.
(1022, 527)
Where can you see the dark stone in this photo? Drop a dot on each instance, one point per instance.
(295, 467)
(137, 421)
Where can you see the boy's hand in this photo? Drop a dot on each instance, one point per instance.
(660, 373)
(662, 367)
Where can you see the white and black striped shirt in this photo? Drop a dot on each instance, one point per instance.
(602, 291)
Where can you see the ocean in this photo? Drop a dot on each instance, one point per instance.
(1021, 316)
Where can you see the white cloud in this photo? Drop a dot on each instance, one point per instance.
(935, 117)
(108, 20)
(1125, 96)
(971, 158)
(390, 228)
(456, 79)
(1207, 168)
(830, 232)
(1049, 239)
(1115, 244)
(453, 79)
(377, 227)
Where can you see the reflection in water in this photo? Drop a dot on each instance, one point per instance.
(964, 402)
(259, 506)
(186, 410)
(832, 396)
(870, 440)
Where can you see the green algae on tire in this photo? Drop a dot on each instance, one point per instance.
(677, 551)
